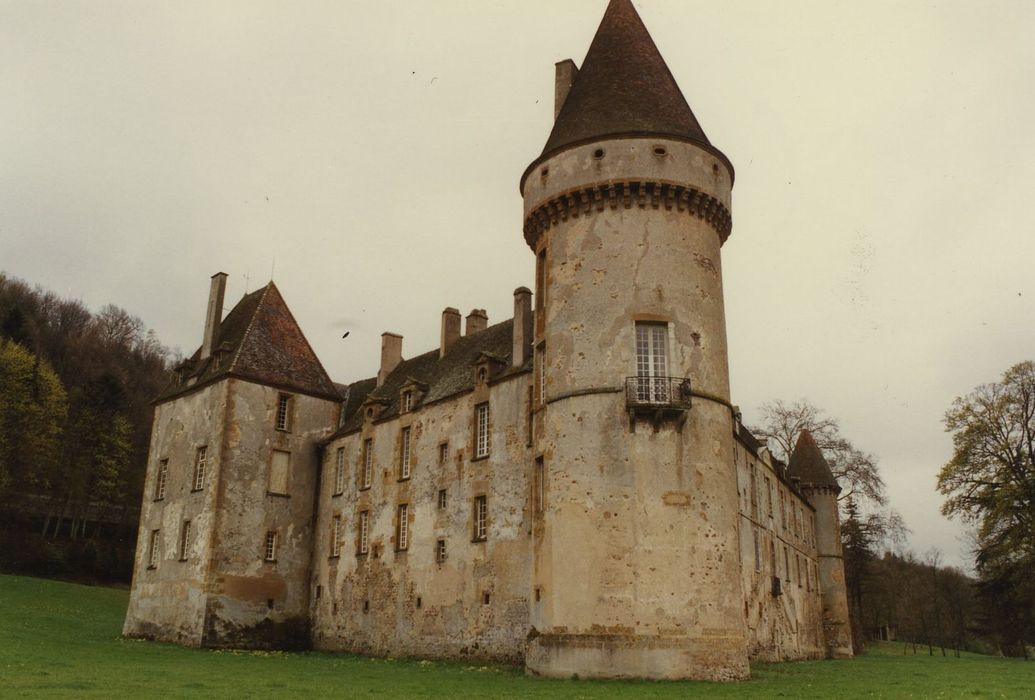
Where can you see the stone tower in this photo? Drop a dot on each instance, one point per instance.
(225, 538)
(635, 554)
(819, 486)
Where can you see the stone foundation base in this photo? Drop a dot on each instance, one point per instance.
(626, 656)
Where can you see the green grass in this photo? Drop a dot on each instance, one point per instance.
(62, 640)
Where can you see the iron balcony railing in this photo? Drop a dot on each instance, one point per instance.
(658, 392)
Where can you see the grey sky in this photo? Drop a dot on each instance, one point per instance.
(881, 256)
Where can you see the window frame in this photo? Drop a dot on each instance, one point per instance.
(652, 358)
(405, 440)
(339, 471)
(367, 467)
(200, 469)
(482, 442)
(286, 493)
(183, 546)
(161, 479)
(154, 551)
(481, 519)
(269, 550)
(402, 527)
(363, 533)
(335, 537)
(282, 418)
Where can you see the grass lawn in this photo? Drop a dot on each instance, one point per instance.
(62, 640)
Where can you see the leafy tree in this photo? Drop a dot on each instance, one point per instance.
(990, 482)
(32, 409)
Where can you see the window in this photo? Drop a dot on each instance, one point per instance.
(652, 362)
(443, 453)
(200, 461)
(280, 467)
(184, 540)
(481, 431)
(800, 522)
(440, 551)
(404, 454)
(402, 528)
(153, 553)
(406, 402)
(798, 559)
(530, 414)
(481, 518)
(758, 550)
(539, 485)
(161, 479)
(769, 497)
(787, 564)
(271, 546)
(772, 554)
(336, 536)
(808, 576)
(284, 412)
(540, 363)
(339, 471)
(783, 510)
(754, 493)
(364, 532)
(441, 499)
(368, 463)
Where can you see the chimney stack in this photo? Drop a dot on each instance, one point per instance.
(214, 315)
(565, 78)
(450, 330)
(391, 355)
(522, 325)
(477, 320)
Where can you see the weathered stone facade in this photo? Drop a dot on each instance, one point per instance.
(571, 489)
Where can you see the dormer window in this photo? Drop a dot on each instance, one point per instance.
(406, 402)
(483, 374)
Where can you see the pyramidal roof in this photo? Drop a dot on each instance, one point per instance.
(259, 340)
(623, 88)
(808, 464)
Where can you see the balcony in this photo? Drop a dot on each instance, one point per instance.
(658, 398)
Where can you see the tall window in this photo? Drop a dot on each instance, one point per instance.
(443, 452)
(364, 531)
(280, 468)
(758, 550)
(540, 372)
(481, 518)
(441, 499)
(754, 493)
(440, 551)
(540, 280)
(184, 540)
(154, 553)
(283, 412)
(769, 496)
(787, 564)
(200, 462)
(339, 471)
(652, 362)
(402, 528)
(368, 463)
(404, 454)
(336, 536)
(481, 430)
(406, 403)
(270, 553)
(161, 479)
(540, 485)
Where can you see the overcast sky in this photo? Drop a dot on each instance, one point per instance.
(367, 155)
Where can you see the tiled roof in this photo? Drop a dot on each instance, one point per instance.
(808, 464)
(439, 377)
(624, 87)
(259, 340)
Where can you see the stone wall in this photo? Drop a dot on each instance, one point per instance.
(785, 622)
(388, 601)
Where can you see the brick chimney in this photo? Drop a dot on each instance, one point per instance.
(522, 325)
(391, 355)
(477, 320)
(564, 79)
(214, 315)
(450, 329)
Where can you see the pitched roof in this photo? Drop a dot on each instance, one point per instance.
(808, 463)
(261, 341)
(624, 87)
(440, 377)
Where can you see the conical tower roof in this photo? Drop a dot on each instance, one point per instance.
(809, 465)
(623, 88)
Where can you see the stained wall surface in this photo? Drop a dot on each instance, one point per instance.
(388, 600)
